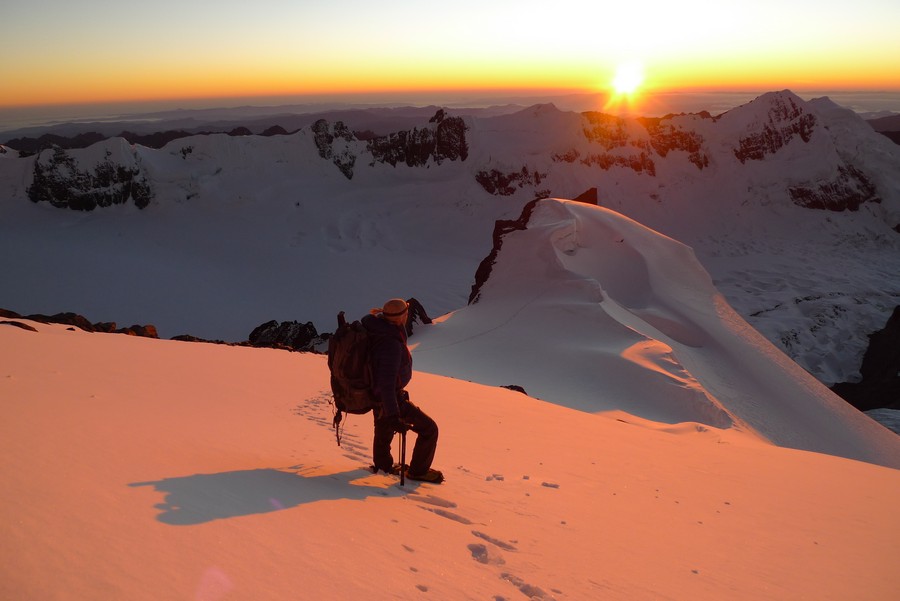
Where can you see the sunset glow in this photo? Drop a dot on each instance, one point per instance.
(629, 77)
(59, 52)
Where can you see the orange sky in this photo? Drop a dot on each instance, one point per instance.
(97, 51)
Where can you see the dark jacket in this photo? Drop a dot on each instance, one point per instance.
(391, 362)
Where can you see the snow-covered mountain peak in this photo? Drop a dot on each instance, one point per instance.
(580, 299)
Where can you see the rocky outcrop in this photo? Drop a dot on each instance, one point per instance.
(665, 138)
(81, 322)
(191, 338)
(291, 335)
(506, 184)
(331, 140)
(146, 331)
(880, 370)
(849, 189)
(786, 121)
(443, 139)
(59, 180)
(606, 130)
(18, 324)
(612, 133)
(589, 196)
(501, 228)
(639, 163)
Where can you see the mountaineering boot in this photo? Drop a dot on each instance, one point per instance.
(432, 476)
(393, 470)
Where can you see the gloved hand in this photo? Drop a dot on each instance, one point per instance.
(393, 422)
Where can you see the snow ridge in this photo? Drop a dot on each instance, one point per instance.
(582, 300)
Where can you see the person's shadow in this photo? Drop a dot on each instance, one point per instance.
(206, 497)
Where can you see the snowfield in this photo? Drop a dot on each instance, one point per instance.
(589, 309)
(145, 469)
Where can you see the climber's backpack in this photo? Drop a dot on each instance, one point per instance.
(351, 371)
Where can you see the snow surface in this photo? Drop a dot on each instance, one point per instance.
(144, 469)
(671, 452)
(589, 309)
(154, 469)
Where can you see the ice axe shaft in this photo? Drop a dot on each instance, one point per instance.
(402, 457)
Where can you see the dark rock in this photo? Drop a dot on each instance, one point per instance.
(515, 387)
(846, 192)
(288, 334)
(240, 131)
(146, 331)
(443, 139)
(665, 138)
(501, 228)
(607, 130)
(416, 314)
(325, 135)
(505, 184)
(589, 196)
(786, 120)
(570, 156)
(880, 370)
(83, 323)
(638, 163)
(19, 324)
(190, 338)
(68, 318)
(59, 181)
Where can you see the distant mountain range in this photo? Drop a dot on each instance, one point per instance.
(889, 126)
(793, 207)
(155, 130)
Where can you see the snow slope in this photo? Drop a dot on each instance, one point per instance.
(589, 309)
(146, 469)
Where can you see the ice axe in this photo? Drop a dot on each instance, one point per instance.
(402, 457)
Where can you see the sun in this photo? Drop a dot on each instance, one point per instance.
(629, 77)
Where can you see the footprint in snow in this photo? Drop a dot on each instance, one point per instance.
(494, 541)
(482, 554)
(433, 500)
(448, 514)
(529, 590)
